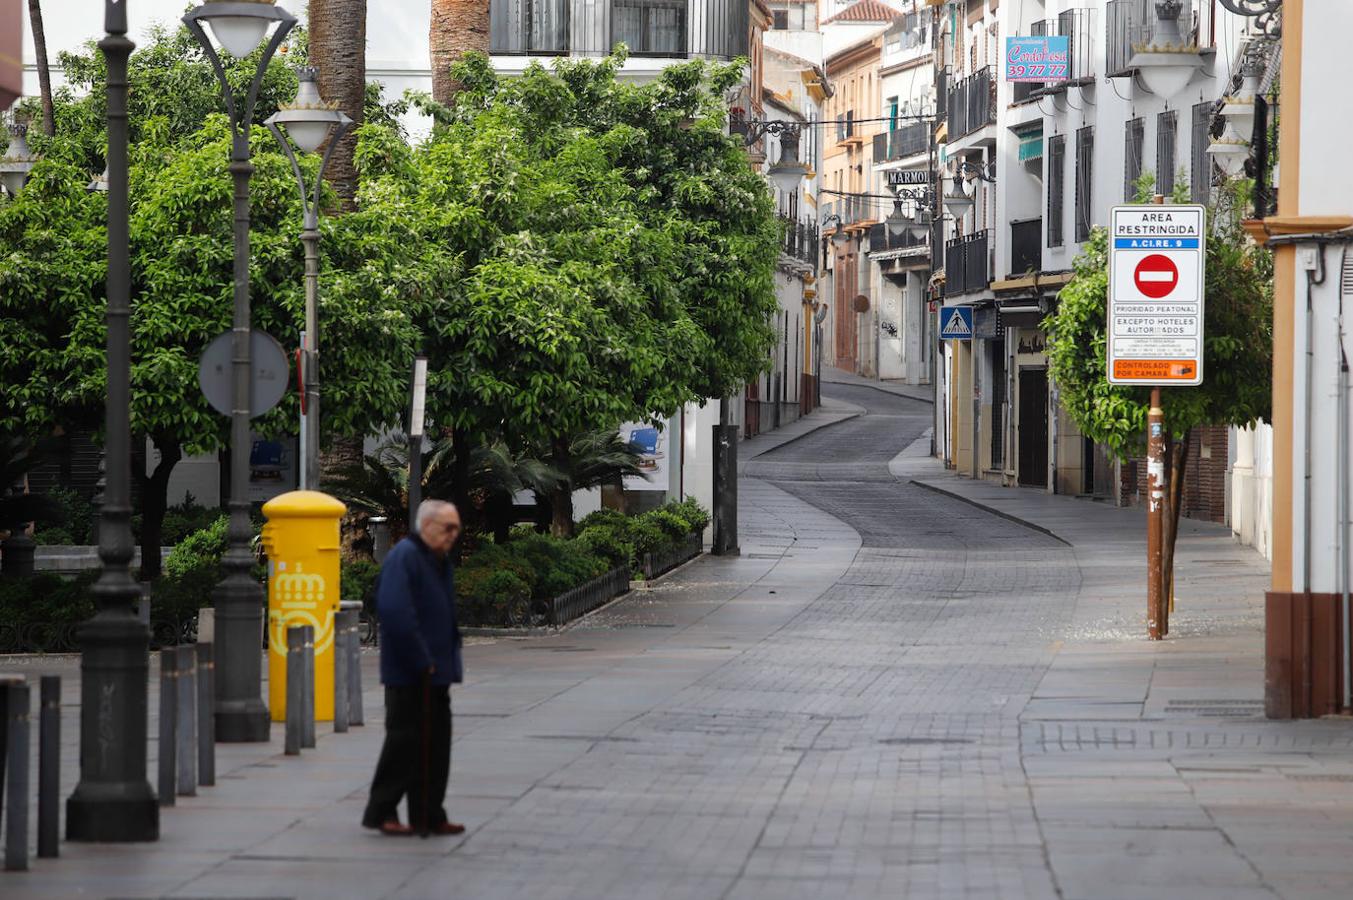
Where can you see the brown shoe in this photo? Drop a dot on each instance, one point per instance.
(395, 828)
(448, 828)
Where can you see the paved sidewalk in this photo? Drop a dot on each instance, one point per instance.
(892, 693)
(922, 392)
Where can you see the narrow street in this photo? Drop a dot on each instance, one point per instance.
(891, 693)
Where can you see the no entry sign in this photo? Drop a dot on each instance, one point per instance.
(1156, 258)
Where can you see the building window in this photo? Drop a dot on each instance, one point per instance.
(1132, 154)
(1165, 140)
(792, 16)
(1055, 160)
(1085, 156)
(1200, 173)
(650, 27)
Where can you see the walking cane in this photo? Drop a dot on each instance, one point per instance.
(427, 754)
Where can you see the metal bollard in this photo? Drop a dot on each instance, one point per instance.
(206, 716)
(49, 768)
(340, 672)
(185, 720)
(16, 817)
(295, 687)
(168, 768)
(308, 687)
(354, 647)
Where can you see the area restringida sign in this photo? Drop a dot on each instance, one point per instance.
(1156, 272)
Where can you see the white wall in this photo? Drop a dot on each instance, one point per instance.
(1251, 478)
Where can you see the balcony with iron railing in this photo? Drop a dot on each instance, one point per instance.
(899, 143)
(679, 29)
(971, 104)
(966, 266)
(880, 239)
(801, 240)
(1129, 23)
(1026, 247)
(852, 210)
(1078, 27)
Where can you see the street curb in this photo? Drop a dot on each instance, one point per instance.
(993, 510)
(881, 390)
(845, 417)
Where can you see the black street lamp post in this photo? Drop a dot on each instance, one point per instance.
(309, 121)
(241, 715)
(113, 801)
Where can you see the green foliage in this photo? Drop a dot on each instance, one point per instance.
(1237, 350)
(357, 582)
(672, 523)
(201, 549)
(607, 542)
(492, 597)
(690, 510)
(44, 599)
(76, 523)
(604, 517)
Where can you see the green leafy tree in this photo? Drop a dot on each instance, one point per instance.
(1237, 353)
(616, 249)
(52, 277)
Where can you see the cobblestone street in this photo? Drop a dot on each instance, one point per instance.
(892, 693)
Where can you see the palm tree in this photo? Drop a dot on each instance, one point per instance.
(44, 70)
(458, 27)
(589, 460)
(338, 50)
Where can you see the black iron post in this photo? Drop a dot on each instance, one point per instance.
(113, 800)
(241, 715)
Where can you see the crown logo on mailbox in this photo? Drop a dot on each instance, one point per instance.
(299, 586)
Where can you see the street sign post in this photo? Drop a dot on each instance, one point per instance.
(956, 323)
(1156, 270)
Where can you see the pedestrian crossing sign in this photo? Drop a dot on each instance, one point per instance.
(956, 323)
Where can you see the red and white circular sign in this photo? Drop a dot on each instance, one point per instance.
(1156, 276)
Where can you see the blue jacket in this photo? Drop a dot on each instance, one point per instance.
(416, 600)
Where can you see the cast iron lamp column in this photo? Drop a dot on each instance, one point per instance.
(241, 715)
(113, 801)
(309, 121)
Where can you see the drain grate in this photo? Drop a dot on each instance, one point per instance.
(907, 741)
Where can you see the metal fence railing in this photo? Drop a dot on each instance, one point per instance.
(965, 264)
(972, 103)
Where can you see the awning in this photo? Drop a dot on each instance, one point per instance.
(1030, 141)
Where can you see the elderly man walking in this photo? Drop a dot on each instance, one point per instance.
(420, 660)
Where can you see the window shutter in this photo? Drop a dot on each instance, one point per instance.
(1200, 173)
(1085, 154)
(1165, 143)
(1055, 178)
(1132, 156)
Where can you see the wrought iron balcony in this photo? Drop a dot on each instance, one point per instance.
(966, 267)
(972, 104)
(713, 29)
(909, 140)
(801, 240)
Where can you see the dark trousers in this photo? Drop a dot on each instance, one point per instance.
(416, 759)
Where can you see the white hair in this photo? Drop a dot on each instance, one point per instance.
(430, 508)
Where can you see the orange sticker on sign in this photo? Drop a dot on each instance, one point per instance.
(1155, 369)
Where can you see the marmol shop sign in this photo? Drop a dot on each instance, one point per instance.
(11, 52)
(1042, 59)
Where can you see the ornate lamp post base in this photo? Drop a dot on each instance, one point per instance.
(241, 715)
(113, 801)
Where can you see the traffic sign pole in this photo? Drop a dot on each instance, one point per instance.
(1155, 513)
(1155, 519)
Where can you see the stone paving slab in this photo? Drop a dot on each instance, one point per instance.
(890, 693)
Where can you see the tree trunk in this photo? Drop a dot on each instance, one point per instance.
(345, 453)
(44, 69)
(457, 27)
(1178, 468)
(154, 502)
(338, 50)
(561, 500)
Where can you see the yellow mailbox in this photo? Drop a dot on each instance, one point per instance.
(301, 540)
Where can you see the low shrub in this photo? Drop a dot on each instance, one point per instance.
(76, 524)
(609, 543)
(200, 549)
(695, 515)
(492, 597)
(606, 517)
(357, 581)
(672, 523)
